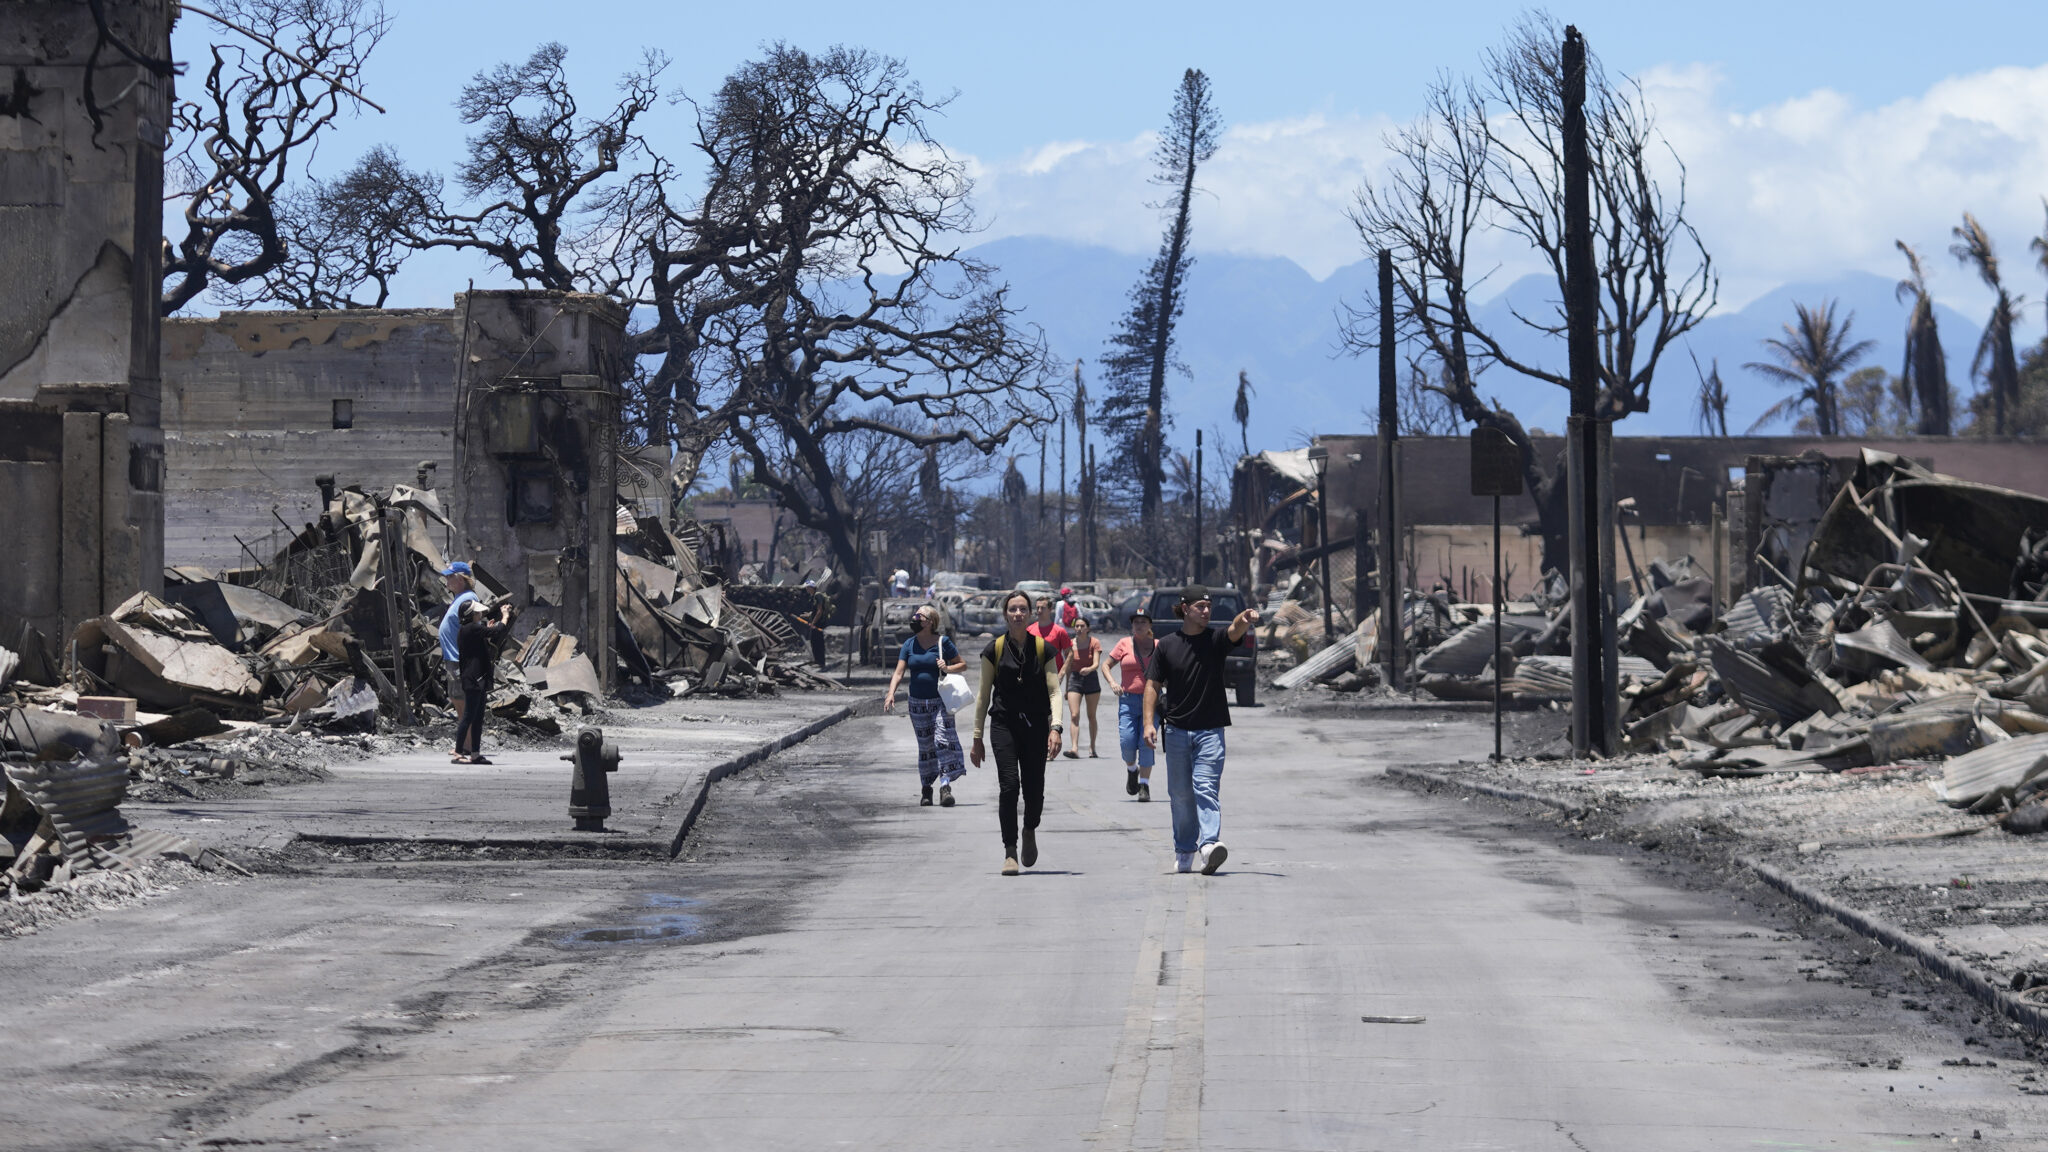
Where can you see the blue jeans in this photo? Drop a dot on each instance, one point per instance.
(1130, 729)
(1194, 784)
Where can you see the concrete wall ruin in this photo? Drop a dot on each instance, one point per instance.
(81, 456)
(257, 404)
(536, 444)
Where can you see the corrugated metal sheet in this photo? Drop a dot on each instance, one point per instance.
(1760, 687)
(1470, 647)
(1760, 612)
(1323, 662)
(1995, 767)
(81, 797)
(1875, 646)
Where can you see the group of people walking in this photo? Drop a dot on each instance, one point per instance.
(1037, 675)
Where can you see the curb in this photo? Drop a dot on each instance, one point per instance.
(754, 756)
(2031, 1017)
(619, 844)
(656, 846)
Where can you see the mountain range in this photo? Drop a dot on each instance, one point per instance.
(1267, 316)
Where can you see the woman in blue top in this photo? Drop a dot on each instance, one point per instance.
(925, 658)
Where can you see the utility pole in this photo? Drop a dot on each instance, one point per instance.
(1391, 606)
(1090, 533)
(1065, 575)
(1196, 564)
(395, 562)
(1591, 533)
(1038, 536)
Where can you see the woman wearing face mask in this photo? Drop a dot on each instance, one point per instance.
(924, 658)
(1021, 707)
(1128, 662)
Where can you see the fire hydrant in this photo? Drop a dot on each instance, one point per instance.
(590, 792)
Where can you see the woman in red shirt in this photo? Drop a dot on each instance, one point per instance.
(1128, 662)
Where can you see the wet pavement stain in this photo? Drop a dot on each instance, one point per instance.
(664, 921)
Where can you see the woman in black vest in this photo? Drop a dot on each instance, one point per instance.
(1020, 695)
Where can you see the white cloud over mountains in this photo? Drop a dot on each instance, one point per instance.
(1799, 190)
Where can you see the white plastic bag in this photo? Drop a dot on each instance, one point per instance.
(955, 692)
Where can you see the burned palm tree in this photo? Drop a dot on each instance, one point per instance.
(1925, 371)
(1710, 408)
(1812, 359)
(1994, 363)
(2040, 243)
(1242, 410)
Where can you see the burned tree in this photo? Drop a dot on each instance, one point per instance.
(1486, 158)
(1925, 370)
(851, 313)
(285, 71)
(1710, 404)
(1141, 350)
(539, 177)
(1995, 362)
(343, 238)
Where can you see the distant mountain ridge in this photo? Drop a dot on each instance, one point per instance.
(1268, 316)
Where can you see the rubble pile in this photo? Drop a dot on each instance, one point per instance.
(685, 628)
(60, 819)
(1912, 636)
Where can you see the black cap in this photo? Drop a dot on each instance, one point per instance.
(1194, 592)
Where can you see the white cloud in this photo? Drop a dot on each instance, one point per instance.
(1275, 188)
(1803, 189)
(1816, 185)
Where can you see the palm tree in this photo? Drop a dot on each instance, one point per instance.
(1994, 361)
(2040, 243)
(1812, 358)
(1242, 410)
(1710, 409)
(1925, 371)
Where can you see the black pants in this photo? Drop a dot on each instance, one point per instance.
(469, 735)
(1020, 766)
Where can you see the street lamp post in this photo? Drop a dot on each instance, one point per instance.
(1319, 461)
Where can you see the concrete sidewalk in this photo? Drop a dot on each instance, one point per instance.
(669, 755)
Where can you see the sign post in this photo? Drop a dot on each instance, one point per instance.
(1496, 472)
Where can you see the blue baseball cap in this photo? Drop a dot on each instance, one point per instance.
(459, 568)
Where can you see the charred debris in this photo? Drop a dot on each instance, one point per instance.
(1909, 633)
(337, 634)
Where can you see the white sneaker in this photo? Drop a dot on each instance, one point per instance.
(1183, 861)
(1213, 856)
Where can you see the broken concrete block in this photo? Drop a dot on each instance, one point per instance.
(1922, 737)
(120, 709)
(182, 725)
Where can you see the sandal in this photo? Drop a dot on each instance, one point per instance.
(460, 760)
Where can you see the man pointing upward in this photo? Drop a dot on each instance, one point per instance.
(1188, 667)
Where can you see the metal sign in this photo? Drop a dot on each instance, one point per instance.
(1496, 464)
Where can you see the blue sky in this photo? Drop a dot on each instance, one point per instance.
(1814, 134)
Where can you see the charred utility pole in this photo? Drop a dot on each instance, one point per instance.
(1391, 606)
(1064, 574)
(1196, 563)
(1594, 663)
(1038, 534)
(391, 543)
(1089, 504)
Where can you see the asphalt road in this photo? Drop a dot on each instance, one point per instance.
(831, 965)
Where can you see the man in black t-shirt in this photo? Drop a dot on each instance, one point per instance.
(1188, 667)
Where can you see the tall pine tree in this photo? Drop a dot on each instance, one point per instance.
(1134, 368)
